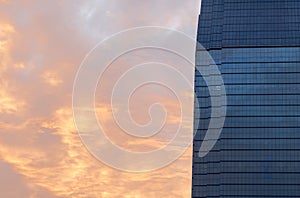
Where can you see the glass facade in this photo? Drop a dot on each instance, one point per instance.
(256, 46)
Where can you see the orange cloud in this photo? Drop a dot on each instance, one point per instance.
(68, 170)
(51, 78)
(8, 102)
(39, 54)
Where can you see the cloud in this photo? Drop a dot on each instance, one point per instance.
(42, 44)
(51, 78)
(63, 166)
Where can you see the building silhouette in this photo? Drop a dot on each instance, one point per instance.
(256, 46)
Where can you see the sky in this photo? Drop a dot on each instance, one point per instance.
(42, 44)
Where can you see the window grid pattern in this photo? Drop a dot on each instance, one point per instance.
(256, 45)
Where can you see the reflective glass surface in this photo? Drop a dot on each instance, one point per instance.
(256, 46)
